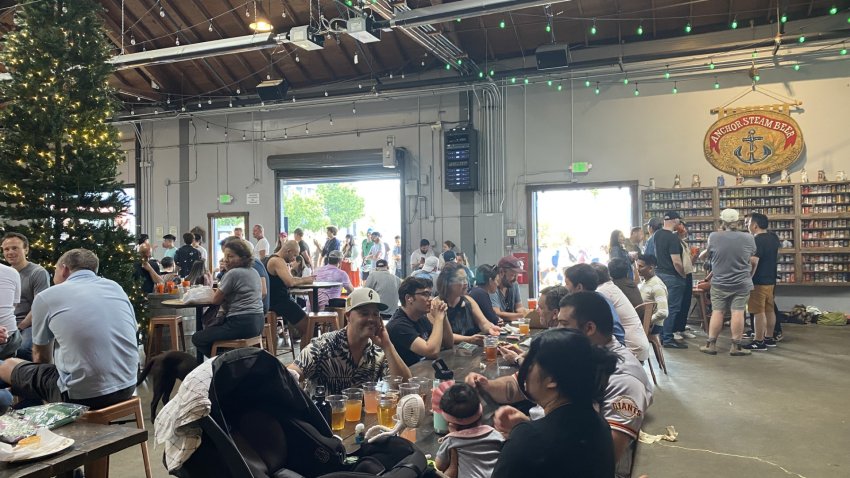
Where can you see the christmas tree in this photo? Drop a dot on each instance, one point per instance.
(58, 153)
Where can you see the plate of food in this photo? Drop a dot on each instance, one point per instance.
(40, 445)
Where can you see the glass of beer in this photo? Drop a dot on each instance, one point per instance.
(393, 381)
(353, 404)
(532, 304)
(370, 397)
(523, 326)
(337, 403)
(490, 348)
(386, 409)
(425, 385)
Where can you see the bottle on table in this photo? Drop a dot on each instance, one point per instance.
(322, 404)
(442, 373)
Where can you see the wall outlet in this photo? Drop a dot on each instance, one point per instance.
(511, 233)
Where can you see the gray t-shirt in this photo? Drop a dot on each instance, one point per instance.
(34, 279)
(509, 302)
(730, 260)
(476, 455)
(242, 292)
(94, 326)
(386, 284)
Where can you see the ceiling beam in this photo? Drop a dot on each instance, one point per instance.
(239, 58)
(113, 32)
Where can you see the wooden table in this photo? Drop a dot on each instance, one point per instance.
(199, 313)
(314, 291)
(462, 363)
(91, 442)
(702, 307)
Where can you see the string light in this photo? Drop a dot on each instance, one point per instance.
(307, 128)
(548, 26)
(209, 101)
(285, 136)
(596, 91)
(525, 81)
(560, 86)
(207, 127)
(199, 103)
(331, 120)
(448, 66)
(298, 58)
(354, 108)
(161, 12)
(501, 24)
(513, 79)
(243, 136)
(210, 27)
(230, 102)
(783, 18)
(238, 91)
(492, 72)
(593, 28)
(688, 27)
(132, 39)
(640, 28)
(716, 83)
(734, 24)
(549, 83)
(675, 87)
(356, 58)
(802, 38)
(326, 92)
(667, 73)
(637, 92)
(796, 67)
(755, 54)
(711, 64)
(833, 10)
(177, 41)
(626, 80)
(248, 12)
(587, 83)
(843, 50)
(264, 135)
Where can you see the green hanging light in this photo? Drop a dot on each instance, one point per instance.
(734, 24)
(640, 29)
(688, 27)
(501, 24)
(833, 10)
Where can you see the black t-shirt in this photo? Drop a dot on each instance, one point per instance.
(147, 280)
(302, 246)
(461, 319)
(482, 298)
(666, 244)
(572, 441)
(767, 250)
(403, 331)
(184, 258)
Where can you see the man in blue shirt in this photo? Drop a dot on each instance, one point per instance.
(84, 339)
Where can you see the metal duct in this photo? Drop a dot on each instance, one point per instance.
(492, 141)
(225, 46)
(462, 9)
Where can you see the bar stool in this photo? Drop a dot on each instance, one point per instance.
(105, 416)
(174, 323)
(236, 344)
(340, 315)
(327, 320)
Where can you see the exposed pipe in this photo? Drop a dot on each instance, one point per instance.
(462, 9)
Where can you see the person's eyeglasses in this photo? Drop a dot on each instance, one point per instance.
(423, 293)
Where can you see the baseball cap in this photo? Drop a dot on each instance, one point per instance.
(431, 264)
(655, 222)
(424, 242)
(381, 264)
(729, 215)
(170, 236)
(510, 262)
(335, 254)
(669, 215)
(449, 256)
(363, 296)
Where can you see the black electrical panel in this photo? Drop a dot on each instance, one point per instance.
(461, 159)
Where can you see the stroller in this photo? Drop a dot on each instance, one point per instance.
(262, 425)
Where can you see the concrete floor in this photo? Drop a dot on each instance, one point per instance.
(787, 406)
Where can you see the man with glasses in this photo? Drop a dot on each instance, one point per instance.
(420, 327)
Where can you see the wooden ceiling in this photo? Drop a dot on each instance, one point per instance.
(153, 24)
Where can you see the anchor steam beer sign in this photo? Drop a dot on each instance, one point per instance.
(752, 143)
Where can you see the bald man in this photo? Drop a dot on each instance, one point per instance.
(281, 280)
(147, 269)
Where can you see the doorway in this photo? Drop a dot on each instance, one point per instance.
(221, 226)
(572, 224)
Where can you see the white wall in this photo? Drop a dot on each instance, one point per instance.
(656, 134)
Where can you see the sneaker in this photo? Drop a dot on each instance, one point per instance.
(688, 334)
(770, 341)
(778, 337)
(755, 345)
(677, 336)
(749, 334)
(675, 345)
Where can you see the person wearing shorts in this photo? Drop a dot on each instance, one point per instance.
(86, 327)
(732, 262)
(761, 303)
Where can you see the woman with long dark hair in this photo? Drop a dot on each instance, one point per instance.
(465, 316)
(565, 374)
(349, 260)
(240, 297)
(199, 275)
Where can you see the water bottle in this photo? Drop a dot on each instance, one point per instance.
(323, 406)
(442, 373)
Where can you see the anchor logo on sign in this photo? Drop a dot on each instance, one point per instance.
(751, 154)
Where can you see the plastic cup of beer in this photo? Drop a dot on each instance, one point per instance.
(532, 304)
(393, 381)
(370, 397)
(408, 389)
(160, 288)
(491, 344)
(425, 386)
(523, 326)
(386, 409)
(337, 403)
(353, 404)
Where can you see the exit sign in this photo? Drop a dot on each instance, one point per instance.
(580, 167)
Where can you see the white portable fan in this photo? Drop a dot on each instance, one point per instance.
(409, 413)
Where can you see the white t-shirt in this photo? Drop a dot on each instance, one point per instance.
(10, 295)
(262, 245)
(417, 256)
